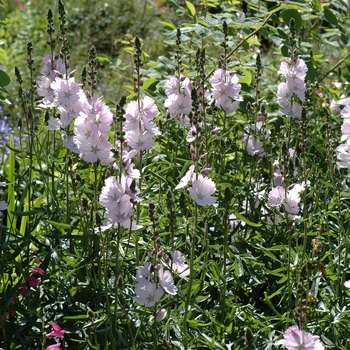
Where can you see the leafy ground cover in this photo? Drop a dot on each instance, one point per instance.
(178, 180)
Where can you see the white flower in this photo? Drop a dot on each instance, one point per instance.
(186, 179)
(166, 281)
(112, 192)
(178, 263)
(148, 294)
(143, 274)
(202, 190)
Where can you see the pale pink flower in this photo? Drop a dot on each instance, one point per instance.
(148, 294)
(96, 148)
(45, 90)
(3, 205)
(292, 203)
(143, 274)
(292, 109)
(122, 211)
(296, 70)
(347, 284)
(51, 66)
(178, 263)
(202, 190)
(179, 104)
(296, 339)
(166, 281)
(191, 135)
(186, 179)
(345, 129)
(277, 178)
(226, 90)
(255, 147)
(66, 91)
(343, 155)
(297, 86)
(139, 140)
(276, 196)
(161, 315)
(284, 93)
(112, 192)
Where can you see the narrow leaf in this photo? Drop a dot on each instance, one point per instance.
(191, 8)
(248, 222)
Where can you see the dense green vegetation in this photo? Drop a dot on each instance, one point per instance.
(214, 137)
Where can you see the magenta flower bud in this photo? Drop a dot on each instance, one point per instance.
(261, 118)
(193, 156)
(319, 93)
(157, 267)
(58, 74)
(161, 315)
(216, 130)
(88, 94)
(206, 171)
(72, 73)
(38, 270)
(191, 148)
(204, 156)
(160, 253)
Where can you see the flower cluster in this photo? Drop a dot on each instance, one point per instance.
(57, 332)
(202, 187)
(291, 92)
(147, 291)
(179, 101)
(343, 151)
(32, 282)
(91, 128)
(295, 338)
(118, 197)
(139, 126)
(5, 132)
(226, 90)
(251, 138)
(92, 117)
(289, 199)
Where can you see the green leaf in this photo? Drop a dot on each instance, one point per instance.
(287, 15)
(247, 79)
(26, 213)
(168, 25)
(150, 84)
(3, 55)
(4, 78)
(173, 3)
(253, 41)
(191, 8)
(248, 222)
(103, 60)
(288, 7)
(59, 224)
(330, 16)
(203, 32)
(316, 5)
